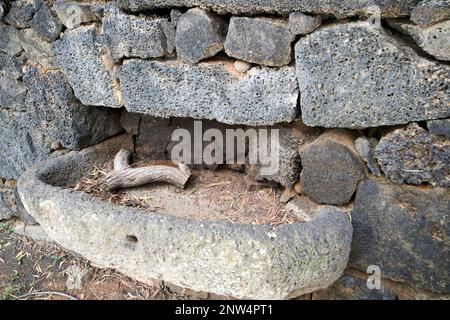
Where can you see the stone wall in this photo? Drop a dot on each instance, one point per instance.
(359, 91)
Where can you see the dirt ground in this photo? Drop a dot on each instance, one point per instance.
(34, 270)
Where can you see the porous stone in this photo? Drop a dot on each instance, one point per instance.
(301, 24)
(331, 168)
(353, 286)
(130, 36)
(265, 41)
(405, 231)
(45, 24)
(439, 127)
(429, 12)
(21, 145)
(200, 35)
(434, 40)
(341, 9)
(87, 68)
(21, 12)
(72, 14)
(414, 156)
(256, 261)
(54, 111)
(367, 79)
(209, 90)
(291, 138)
(365, 148)
(12, 90)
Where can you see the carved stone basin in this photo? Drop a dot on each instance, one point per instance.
(239, 260)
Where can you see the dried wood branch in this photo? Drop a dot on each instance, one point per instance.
(124, 177)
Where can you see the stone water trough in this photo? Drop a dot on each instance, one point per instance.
(238, 260)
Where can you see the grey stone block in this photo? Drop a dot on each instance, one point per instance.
(366, 148)
(209, 90)
(256, 261)
(292, 137)
(199, 35)
(85, 64)
(343, 72)
(141, 37)
(9, 41)
(331, 168)
(45, 24)
(414, 156)
(21, 145)
(265, 41)
(339, 8)
(405, 231)
(54, 111)
(11, 206)
(439, 127)
(35, 49)
(12, 90)
(21, 12)
(300, 23)
(130, 122)
(429, 12)
(72, 14)
(434, 40)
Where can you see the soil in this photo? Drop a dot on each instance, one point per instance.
(36, 270)
(217, 195)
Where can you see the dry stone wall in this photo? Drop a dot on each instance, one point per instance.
(359, 91)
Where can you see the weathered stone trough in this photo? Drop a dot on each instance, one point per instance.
(240, 260)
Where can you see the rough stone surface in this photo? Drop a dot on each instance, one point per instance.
(300, 23)
(21, 12)
(352, 287)
(200, 35)
(439, 127)
(141, 37)
(291, 138)
(9, 41)
(389, 8)
(405, 231)
(12, 90)
(36, 50)
(72, 14)
(209, 90)
(434, 40)
(53, 109)
(130, 122)
(86, 67)
(354, 75)
(331, 168)
(45, 24)
(414, 156)
(21, 145)
(429, 12)
(265, 41)
(365, 148)
(259, 262)
(11, 206)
